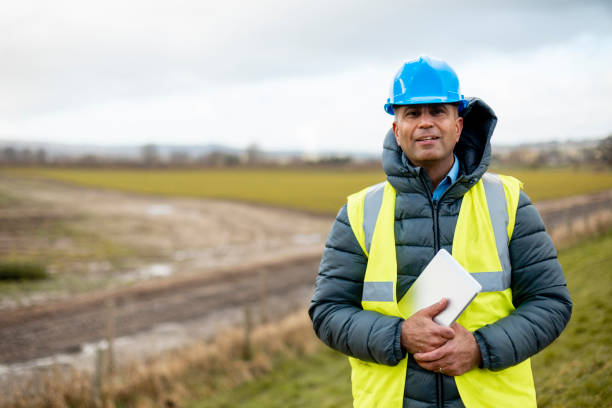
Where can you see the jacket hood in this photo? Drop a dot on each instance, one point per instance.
(473, 151)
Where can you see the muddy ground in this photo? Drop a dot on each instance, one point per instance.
(166, 271)
(94, 239)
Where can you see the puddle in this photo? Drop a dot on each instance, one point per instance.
(159, 209)
(156, 270)
(306, 239)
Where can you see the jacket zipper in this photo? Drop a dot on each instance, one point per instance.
(436, 233)
(439, 379)
(436, 222)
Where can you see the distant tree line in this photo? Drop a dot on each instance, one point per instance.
(11, 155)
(252, 156)
(557, 155)
(597, 154)
(151, 157)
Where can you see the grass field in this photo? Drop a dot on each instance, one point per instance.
(315, 190)
(575, 371)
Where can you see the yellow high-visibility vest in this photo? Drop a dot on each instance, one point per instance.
(484, 227)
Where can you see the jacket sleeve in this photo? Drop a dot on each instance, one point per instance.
(337, 316)
(539, 294)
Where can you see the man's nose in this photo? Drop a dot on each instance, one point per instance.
(425, 120)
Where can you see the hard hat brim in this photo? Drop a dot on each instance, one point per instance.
(462, 103)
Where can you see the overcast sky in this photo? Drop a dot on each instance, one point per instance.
(311, 75)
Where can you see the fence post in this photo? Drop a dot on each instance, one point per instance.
(110, 335)
(248, 327)
(98, 377)
(263, 295)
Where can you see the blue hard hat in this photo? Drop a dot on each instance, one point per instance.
(424, 80)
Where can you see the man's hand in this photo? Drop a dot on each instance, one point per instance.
(455, 357)
(421, 334)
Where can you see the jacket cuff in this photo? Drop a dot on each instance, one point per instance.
(485, 360)
(399, 351)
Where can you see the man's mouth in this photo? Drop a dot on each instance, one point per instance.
(427, 138)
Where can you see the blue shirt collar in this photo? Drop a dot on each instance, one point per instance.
(448, 180)
(454, 171)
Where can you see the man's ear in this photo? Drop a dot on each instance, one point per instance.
(459, 127)
(395, 131)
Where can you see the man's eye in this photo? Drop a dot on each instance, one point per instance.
(411, 113)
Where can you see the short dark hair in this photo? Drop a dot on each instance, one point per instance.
(455, 104)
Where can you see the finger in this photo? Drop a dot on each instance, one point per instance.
(428, 347)
(436, 342)
(457, 327)
(433, 355)
(442, 331)
(427, 366)
(435, 309)
(435, 366)
(446, 332)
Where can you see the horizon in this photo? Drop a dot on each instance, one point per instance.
(165, 151)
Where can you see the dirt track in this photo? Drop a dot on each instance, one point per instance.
(63, 326)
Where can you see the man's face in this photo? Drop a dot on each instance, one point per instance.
(428, 133)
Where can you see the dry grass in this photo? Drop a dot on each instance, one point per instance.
(580, 228)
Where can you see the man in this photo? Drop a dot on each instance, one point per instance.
(438, 195)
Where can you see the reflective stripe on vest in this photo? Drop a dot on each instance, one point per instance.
(371, 206)
(484, 226)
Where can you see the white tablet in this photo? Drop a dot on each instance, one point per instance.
(443, 277)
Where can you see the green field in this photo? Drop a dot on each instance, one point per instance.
(315, 190)
(575, 371)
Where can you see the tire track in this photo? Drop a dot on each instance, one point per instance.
(65, 326)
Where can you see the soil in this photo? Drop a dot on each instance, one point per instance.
(91, 239)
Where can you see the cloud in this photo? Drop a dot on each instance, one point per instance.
(555, 92)
(142, 70)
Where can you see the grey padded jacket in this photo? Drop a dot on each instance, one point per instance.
(539, 292)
